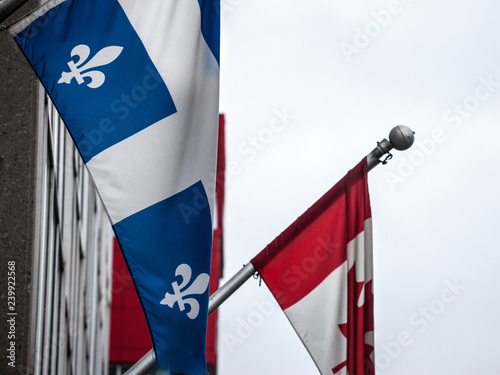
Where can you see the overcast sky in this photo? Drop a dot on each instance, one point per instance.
(308, 88)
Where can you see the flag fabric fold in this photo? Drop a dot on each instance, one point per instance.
(320, 271)
(137, 85)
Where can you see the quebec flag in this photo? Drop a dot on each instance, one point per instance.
(137, 84)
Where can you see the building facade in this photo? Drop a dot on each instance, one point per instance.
(55, 238)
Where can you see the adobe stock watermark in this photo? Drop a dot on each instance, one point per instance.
(120, 109)
(247, 326)
(471, 103)
(58, 343)
(39, 23)
(121, 279)
(198, 203)
(454, 118)
(363, 36)
(296, 274)
(415, 157)
(254, 144)
(250, 148)
(323, 250)
(419, 321)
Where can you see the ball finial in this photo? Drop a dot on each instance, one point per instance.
(401, 137)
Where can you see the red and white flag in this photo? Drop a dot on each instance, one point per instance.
(320, 271)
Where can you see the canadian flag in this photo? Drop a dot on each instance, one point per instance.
(320, 271)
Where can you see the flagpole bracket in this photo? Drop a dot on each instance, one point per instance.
(386, 159)
(257, 276)
(401, 138)
(373, 158)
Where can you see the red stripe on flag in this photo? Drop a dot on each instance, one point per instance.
(310, 249)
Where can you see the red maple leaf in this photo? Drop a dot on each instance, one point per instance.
(359, 324)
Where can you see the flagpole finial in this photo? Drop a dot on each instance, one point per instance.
(401, 137)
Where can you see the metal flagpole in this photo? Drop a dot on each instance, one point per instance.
(401, 138)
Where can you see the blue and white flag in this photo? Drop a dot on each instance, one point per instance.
(136, 83)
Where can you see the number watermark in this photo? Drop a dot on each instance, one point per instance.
(11, 313)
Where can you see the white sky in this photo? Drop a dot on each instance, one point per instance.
(434, 206)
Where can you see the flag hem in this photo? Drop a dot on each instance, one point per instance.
(22, 24)
(304, 220)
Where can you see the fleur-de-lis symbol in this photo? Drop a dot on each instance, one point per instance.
(103, 57)
(197, 287)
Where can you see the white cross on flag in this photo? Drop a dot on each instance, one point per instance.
(137, 85)
(320, 271)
